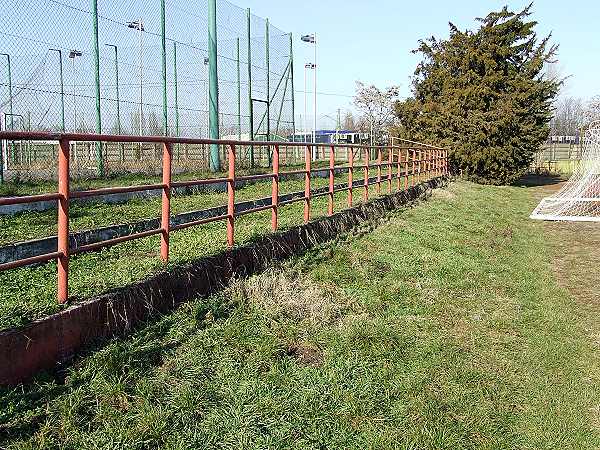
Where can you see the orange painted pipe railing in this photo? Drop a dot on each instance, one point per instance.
(413, 161)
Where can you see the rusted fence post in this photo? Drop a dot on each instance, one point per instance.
(428, 163)
(366, 182)
(419, 163)
(446, 162)
(390, 168)
(379, 171)
(414, 166)
(331, 179)
(399, 170)
(406, 163)
(275, 189)
(350, 176)
(63, 221)
(231, 196)
(307, 158)
(165, 222)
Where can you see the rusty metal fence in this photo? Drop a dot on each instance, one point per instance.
(406, 165)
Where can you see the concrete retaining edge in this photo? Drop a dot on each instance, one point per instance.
(51, 342)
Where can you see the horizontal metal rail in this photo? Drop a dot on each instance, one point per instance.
(404, 163)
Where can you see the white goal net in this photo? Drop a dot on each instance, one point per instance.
(579, 199)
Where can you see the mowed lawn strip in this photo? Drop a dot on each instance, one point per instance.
(440, 328)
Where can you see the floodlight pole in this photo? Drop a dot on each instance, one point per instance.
(312, 39)
(291, 75)
(304, 120)
(268, 78)
(315, 100)
(239, 90)
(213, 115)
(141, 57)
(250, 105)
(268, 88)
(99, 157)
(62, 88)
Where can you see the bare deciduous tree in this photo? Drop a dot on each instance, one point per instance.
(592, 110)
(568, 117)
(377, 108)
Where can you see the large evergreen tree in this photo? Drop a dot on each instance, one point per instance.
(484, 95)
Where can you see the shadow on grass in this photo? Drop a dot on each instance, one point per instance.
(536, 180)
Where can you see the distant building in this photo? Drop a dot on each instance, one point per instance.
(563, 139)
(331, 137)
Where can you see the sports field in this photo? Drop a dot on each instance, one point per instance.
(459, 323)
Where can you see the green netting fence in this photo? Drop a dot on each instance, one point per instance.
(49, 80)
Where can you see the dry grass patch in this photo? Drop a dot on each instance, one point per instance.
(283, 294)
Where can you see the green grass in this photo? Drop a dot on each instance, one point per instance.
(441, 328)
(29, 293)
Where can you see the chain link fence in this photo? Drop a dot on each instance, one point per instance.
(51, 80)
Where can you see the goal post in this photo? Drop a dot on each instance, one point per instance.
(579, 199)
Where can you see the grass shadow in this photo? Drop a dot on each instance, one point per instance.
(537, 180)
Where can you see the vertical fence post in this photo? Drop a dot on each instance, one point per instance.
(398, 170)
(350, 175)
(166, 200)
(420, 166)
(446, 162)
(231, 195)
(63, 221)
(414, 165)
(442, 162)
(406, 163)
(331, 179)
(307, 160)
(390, 164)
(366, 183)
(275, 188)
(379, 171)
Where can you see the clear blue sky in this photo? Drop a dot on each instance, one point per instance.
(372, 41)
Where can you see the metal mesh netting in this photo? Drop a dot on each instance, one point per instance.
(43, 39)
(579, 199)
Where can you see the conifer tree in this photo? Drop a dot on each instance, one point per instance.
(484, 95)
